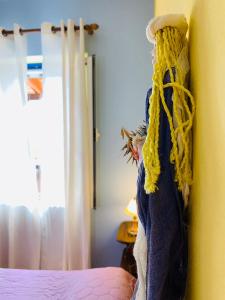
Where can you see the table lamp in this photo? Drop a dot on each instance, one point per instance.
(131, 210)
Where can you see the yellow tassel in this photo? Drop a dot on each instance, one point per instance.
(168, 47)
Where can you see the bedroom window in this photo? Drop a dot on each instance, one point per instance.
(34, 92)
(43, 123)
(45, 133)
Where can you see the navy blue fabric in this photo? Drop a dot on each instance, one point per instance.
(163, 217)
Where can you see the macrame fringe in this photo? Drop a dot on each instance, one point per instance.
(169, 44)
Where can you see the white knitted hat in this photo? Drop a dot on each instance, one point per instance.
(174, 20)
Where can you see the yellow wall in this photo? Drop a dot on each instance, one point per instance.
(207, 55)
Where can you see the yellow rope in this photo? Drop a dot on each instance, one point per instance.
(168, 47)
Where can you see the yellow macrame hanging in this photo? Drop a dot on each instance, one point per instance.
(169, 44)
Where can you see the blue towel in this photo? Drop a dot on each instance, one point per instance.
(162, 214)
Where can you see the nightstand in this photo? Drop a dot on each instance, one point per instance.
(128, 262)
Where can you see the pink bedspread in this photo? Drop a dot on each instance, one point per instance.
(103, 284)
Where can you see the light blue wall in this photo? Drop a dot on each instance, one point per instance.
(123, 76)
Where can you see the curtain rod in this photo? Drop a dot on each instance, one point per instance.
(90, 28)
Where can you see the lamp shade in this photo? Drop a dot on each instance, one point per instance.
(131, 209)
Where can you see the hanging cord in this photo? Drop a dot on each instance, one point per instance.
(169, 45)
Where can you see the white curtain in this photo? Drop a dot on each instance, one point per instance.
(51, 231)
(18, 192)
(77, 138)
(65, 98)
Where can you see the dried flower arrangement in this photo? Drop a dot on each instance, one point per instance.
(134, 138)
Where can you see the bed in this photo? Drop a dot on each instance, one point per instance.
(93, 284)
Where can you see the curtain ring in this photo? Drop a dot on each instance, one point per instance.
(21, 31)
